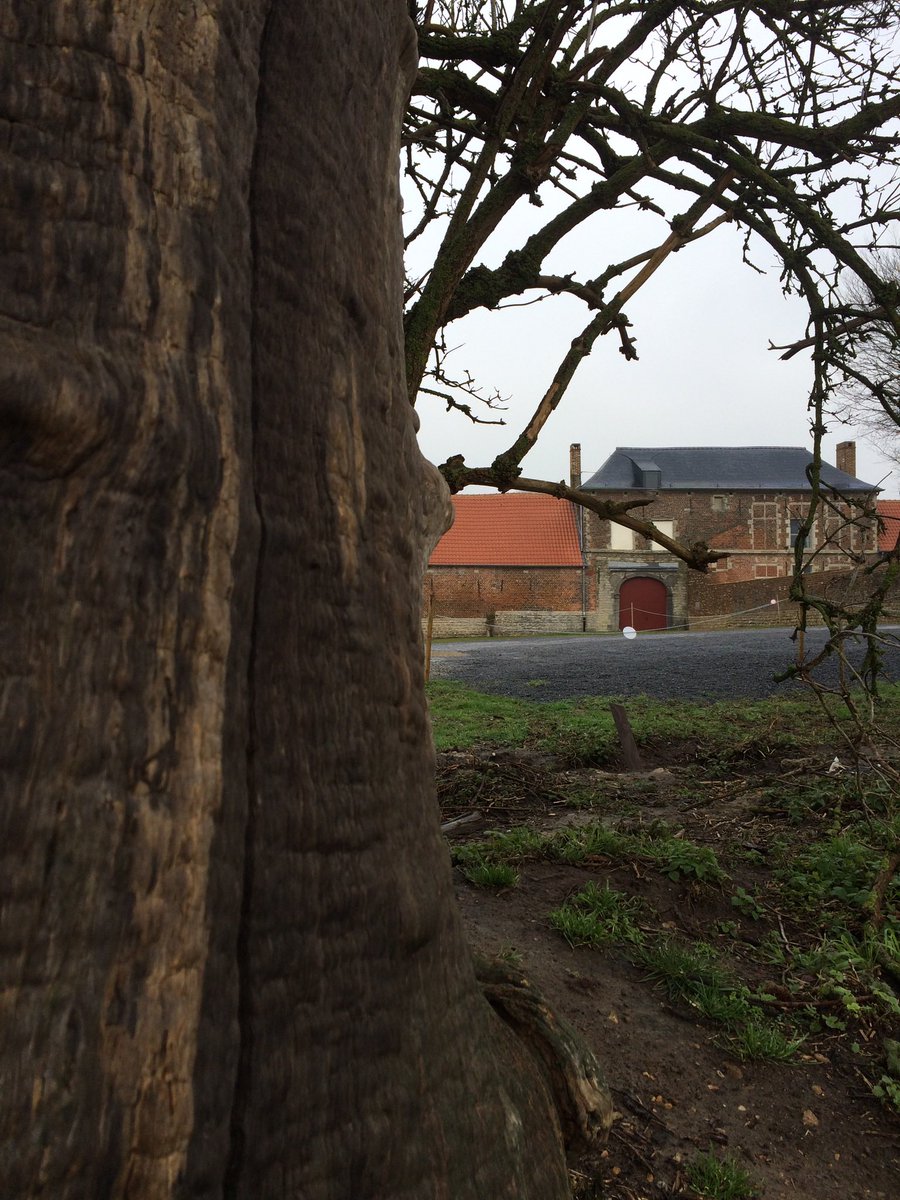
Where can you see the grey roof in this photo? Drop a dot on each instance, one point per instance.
(715, 468)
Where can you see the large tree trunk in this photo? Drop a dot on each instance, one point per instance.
(230, 960)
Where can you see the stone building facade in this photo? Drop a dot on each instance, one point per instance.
(748, 502)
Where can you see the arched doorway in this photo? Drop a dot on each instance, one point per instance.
(643, 604)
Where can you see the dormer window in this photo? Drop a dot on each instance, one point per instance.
(649, 474)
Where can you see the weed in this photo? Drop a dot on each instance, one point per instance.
(675, 857)
(847, 968)
(598, 916)
(770, 949)
(692, 974)
(681, 859)
(888, 1090)
(722, 1004)
(682, 968)
(764, 1040)
(515, 845)
(835, 877)
(579, 928)
(590, 797)
(510, 955)
(748, 854)
(745, 902)
(718, 1178)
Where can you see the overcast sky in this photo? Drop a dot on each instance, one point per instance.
(705, 375)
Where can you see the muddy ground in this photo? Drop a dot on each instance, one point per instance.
(809, 1129)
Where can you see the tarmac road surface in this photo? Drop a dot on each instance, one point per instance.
(722, 665)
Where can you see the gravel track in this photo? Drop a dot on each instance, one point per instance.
(723, 665)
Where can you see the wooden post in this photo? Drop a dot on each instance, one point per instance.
(630, 754)
(428, 630)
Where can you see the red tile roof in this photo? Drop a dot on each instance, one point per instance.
(518, 529)
(889, 512)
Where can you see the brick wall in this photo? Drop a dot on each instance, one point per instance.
(754, 526)
(468, 601)
(748, 602)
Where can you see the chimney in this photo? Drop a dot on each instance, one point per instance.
(575, 465)
(845, 458)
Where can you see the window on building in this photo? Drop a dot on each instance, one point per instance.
(720, 504)
(796, 526)
(666, 527)
(620, 538)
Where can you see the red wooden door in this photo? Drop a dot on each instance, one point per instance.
(643, 604)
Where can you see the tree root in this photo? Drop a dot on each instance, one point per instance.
(583, 1101)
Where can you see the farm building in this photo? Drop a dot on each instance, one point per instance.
(523, 562)
(749, 502)
(510, 563)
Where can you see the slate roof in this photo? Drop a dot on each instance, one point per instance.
(889, 512)
(717, 468)
(517, 529)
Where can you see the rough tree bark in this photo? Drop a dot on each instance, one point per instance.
(229, 959)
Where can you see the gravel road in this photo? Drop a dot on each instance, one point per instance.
(717, 666)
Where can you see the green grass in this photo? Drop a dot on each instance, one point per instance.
(461, 718)
(835, 876)
(582, 731)
(690, 973)
(601, 917)
(491, 863)
(676, 857)
(810, 852)
(718, 1178)
(490, 875)
(764, 1040)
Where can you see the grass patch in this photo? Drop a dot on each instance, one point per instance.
(676, 857)
(690, 973)
(718, 1178)
(713, 735)
(491, 863)
(461, 718)
(490, 875)
(601, 916)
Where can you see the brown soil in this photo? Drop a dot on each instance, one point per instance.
(805, 1130)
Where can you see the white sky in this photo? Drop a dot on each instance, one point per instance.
(705, 375)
